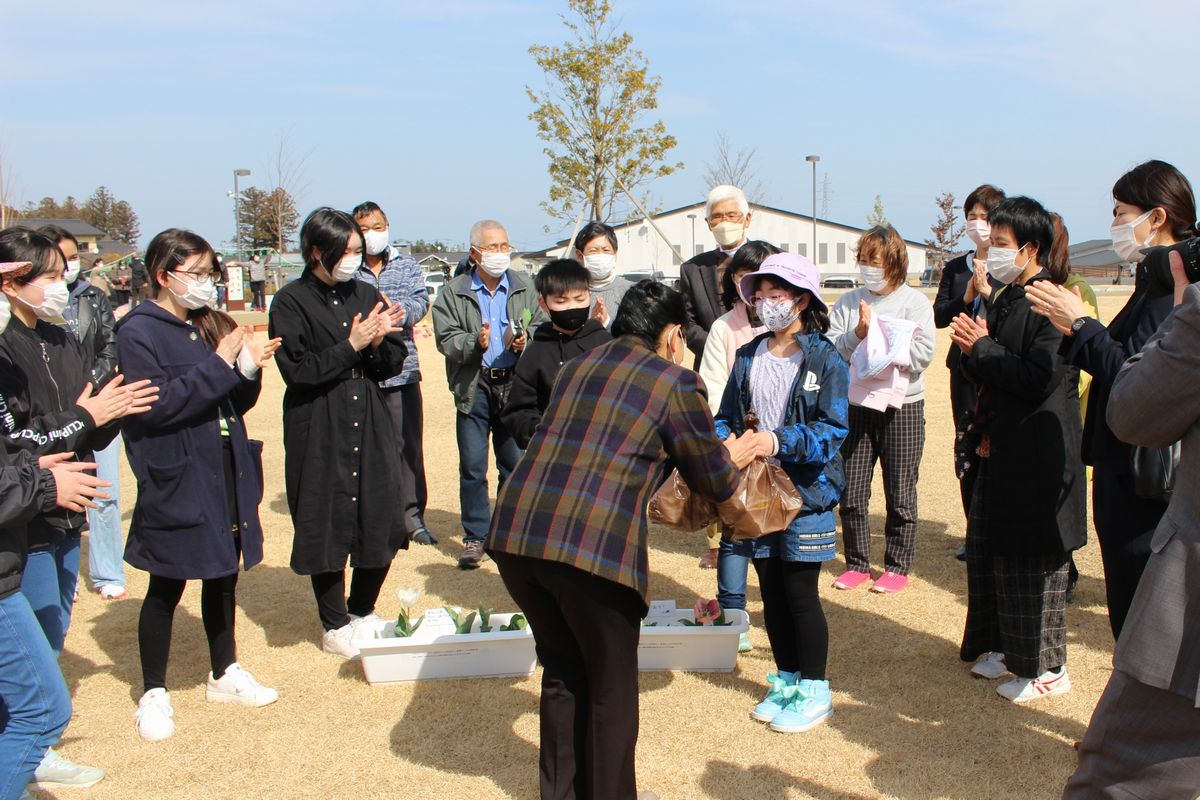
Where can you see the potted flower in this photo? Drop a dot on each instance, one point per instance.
(704, 642)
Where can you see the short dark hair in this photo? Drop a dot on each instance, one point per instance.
(366, 209)
(170, 250)
(1157, 184)
(646, 310)
(1029, 222)
(748, 258)
(560, 276)
(815, 317)
(58, 234)
(328, 231)
(593, 230)
(986, 195)
(26, 244)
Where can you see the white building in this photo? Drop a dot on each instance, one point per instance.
(641, 249)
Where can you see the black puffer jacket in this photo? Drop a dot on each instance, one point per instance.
(534, 375)
(25, 490)
(42, 374)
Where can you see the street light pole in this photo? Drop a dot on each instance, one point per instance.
(237, 211)
(692, 217)
(813, 160)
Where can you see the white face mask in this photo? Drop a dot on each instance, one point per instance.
(601, 268)
(872, 278)
(376, 241)
(196, 294)
(495, 264)
(347, 268)
(728, 234)
(1125, 240)
(55, 297)
(979, 232)
(5, 312)
(72, 270)
(1002, 264)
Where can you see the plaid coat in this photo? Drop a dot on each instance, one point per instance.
(619, 418)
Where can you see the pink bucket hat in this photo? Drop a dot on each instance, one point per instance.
(793, 268)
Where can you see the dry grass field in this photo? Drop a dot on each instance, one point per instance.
(910, 723)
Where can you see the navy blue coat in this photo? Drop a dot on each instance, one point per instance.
(181, 526)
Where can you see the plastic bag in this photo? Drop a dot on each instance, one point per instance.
(766, 500)
(676, 506)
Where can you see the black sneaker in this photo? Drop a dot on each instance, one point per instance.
(961, 553)
(424, 536)
(472, 555)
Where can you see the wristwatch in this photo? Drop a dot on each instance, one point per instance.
(1078, 324)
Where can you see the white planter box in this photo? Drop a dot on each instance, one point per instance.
(431, 654)
(669, 645)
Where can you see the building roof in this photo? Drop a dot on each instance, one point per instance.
(75, 227)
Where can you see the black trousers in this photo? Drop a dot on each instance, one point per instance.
(330, 589)
(586, 632)
(963, 397)
(405, 405)
(258, 294)
(1125, 524)
(794, 618)
(217, 608)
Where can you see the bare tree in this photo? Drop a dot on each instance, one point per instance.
(286, 183)
(735, 169)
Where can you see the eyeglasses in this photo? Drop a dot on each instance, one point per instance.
(494, 248)
(200, 276)
(728, 216)
(775, 297)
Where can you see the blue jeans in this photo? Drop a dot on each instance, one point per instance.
(106, 546)
(49, 586)
(733, 562)
(472, 431)
(34, 704)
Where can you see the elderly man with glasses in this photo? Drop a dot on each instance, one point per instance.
(479, 323)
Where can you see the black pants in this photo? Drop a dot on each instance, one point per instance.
(404, 403)
(330, 590)
(1125, 524)
(794, 618)
(963, 397)
(158, 614)
(586, 631)
(258, 294)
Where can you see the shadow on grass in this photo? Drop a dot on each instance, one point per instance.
(115, 631)
(273, 597)
(727, 781)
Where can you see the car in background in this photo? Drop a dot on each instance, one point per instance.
(840, 280)
(633, 276)
(434, 281)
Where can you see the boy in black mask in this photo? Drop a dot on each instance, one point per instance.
(563, 293)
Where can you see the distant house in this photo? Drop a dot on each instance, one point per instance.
(91, 239)
(1096, 259)
(444, 261)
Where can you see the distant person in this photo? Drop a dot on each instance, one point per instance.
(964, 288)
(1142, 739)
(221, 278)
(89, 317)
(1029, 510)
(257, 272)
(1153, 208)
(188, 523)
(481, 323)
(339, 341)
(138, 281)
(398, 277)
(572, 330)
(728, 216)
(596, 249)
(120, 279)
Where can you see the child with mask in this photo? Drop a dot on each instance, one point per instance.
(596, 249)
(793, 379)
(563, 293)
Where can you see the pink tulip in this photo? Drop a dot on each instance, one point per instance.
(706, 611)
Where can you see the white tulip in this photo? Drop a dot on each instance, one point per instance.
(408, 597)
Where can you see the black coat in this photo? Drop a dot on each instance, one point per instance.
(538, 367)
(341, 457)
(702, 293)
(1037, 494)
(42, 373)
(94, 329)
(181, 527)
(25, 491)
(948, 304)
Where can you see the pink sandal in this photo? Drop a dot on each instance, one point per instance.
(851, 579)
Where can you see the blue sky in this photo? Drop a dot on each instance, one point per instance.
(422, 108)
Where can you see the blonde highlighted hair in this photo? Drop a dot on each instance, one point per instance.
(886, 243)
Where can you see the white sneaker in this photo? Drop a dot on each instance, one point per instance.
(238, 686)
(990, 666)
(56, 769)
(112, 591)
(368, 619)
(154, 716)
(1022, 690)
(339, 642)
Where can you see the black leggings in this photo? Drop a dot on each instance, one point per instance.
(795, 620)
(330, 589)
(158, 613)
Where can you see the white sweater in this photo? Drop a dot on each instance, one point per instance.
(904, 303)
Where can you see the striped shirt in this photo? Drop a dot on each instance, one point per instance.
(402, 282)
(619, 417)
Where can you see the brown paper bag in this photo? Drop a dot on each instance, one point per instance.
(766, 501)
(678, 507)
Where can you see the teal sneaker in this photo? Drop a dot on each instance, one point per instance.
(773, 703)
(744, 645)
(806, 705)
